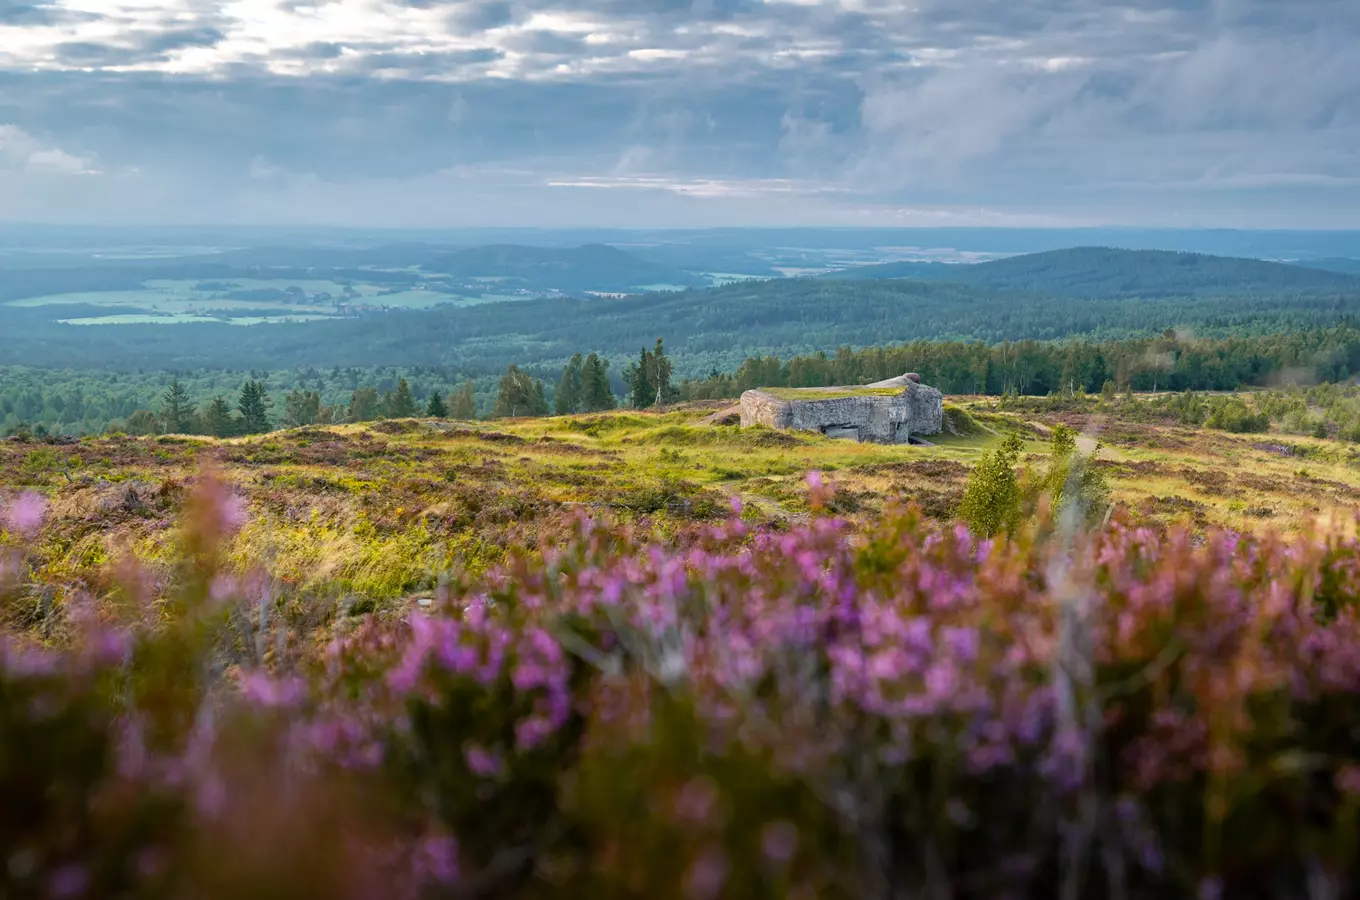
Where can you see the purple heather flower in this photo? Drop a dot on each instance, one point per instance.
(436, 859)
(707, 874)
(779, 841)
(1211, 889)
(1347, 780)
(481, 762)
(697, 801)
(26, 514)
(69, 881)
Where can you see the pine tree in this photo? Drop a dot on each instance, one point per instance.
(569, 390)
(217, 419)
(253, 406)
(177, 410)
(464, 404)
(641, 391)
(596, 392)
(400, 404)
(363, 405)
(437, 408)
(519, 394)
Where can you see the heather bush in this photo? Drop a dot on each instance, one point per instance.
(890, 710)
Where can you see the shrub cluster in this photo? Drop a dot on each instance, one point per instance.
(902, 711)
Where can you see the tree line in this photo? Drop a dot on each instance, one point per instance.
(1170, 361)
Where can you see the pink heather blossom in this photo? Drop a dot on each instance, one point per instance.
(779, 841)
(697, 801)
(71, 880)
(271, 693)
(482, 762)
(436, 859)
(26, 514)
(1348, 780)
(707, 874)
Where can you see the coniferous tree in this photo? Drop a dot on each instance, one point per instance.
(253, 406)
(400, 404)
(596, 392)
(177, 409)
(437, 408)
(217, 418)
(363, 405)
(569, 390)
(464, 405)
(519, 394)
(641, 391)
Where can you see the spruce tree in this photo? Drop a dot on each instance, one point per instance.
(641, 391)
(569, 390)
(363, 405)
(464, 404)
(253, 406)
(217, 419)
(400, 404)
(177, 410)
(437, 408)
(596, 392)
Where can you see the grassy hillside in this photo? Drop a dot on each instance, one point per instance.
(375, 512)
(1109, 272)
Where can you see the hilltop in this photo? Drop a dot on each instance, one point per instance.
(1112, 272)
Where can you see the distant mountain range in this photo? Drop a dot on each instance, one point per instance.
(1109, 272)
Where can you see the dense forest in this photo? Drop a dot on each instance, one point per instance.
(1164, 363)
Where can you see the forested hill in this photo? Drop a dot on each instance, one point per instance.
(1109, 272)
(707, 328)
(594, 267)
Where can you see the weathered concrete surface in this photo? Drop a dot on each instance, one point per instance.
(886, 419)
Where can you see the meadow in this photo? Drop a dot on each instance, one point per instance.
(378, 511)
(651, 654)
(169, 301)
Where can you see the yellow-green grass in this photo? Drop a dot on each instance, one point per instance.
(363, 513)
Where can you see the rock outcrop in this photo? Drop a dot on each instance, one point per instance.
(870, 413)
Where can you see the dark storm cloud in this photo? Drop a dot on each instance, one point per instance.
(1042, 105)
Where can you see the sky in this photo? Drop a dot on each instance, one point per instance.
(681, 113)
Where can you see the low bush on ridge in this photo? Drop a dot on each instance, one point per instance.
(899, 711)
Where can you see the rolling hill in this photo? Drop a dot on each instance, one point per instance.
(1110, 272)
(594, 267)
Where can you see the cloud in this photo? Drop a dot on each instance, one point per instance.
(1148, 110)
(24, 153)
